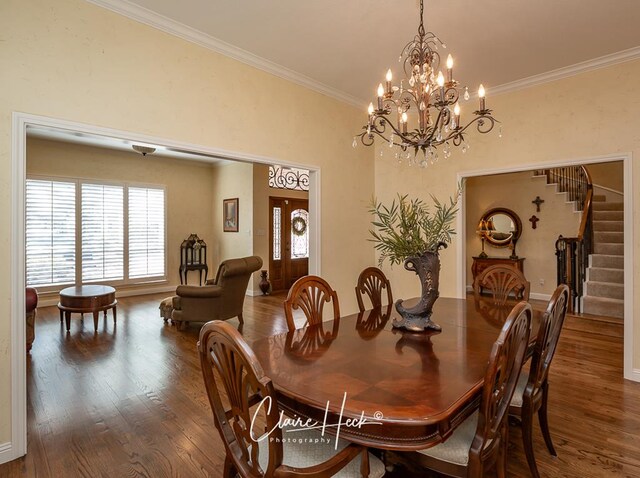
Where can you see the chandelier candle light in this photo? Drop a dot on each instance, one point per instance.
(434, 98)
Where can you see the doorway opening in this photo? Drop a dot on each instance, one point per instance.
(25, 125)
(613, 238)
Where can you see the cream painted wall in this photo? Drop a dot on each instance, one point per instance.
(232, 180)
(261, 193)
(73, 60)
(516, 191)
(186, 182)
(608, 175)
(592, 114)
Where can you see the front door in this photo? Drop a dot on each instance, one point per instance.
(288, 241)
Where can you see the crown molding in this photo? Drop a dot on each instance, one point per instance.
(167, 25)
(568, 71)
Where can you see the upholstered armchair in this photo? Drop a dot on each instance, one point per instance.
(221, 298)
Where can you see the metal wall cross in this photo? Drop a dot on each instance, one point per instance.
(537, 201)
(534, 220)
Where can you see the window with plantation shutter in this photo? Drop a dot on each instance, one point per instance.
(146, 232)
(80, 231)
(50, 232)
(102, 232)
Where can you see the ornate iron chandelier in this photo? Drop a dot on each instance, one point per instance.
(433, 98)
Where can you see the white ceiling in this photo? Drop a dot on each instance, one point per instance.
(348, 45)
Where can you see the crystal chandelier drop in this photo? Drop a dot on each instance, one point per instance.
(431, 96)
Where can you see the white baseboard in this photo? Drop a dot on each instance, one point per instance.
(253, 293)
(634, 376)
(49, 301)
(6, 453)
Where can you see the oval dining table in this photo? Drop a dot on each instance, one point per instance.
(412, 389)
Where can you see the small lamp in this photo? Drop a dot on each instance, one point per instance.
(483, 229)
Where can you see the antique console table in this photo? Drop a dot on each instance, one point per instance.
(480, 263)
(87, 299)
(417, 387)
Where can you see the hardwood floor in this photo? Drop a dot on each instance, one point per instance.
(130, 401)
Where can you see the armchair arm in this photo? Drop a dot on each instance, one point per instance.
(197, 292)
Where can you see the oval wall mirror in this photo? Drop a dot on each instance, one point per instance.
(504, 226)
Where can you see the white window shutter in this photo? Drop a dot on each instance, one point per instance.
(146, 232)
(102, 232)
(50, 232)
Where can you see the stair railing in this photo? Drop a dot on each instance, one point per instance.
(572, 253)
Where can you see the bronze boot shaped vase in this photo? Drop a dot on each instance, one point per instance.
(418, 317)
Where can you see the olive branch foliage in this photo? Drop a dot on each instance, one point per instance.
(407, 228)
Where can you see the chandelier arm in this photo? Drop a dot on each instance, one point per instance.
(480, 120)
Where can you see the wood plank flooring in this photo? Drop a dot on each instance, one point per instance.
(129, 401)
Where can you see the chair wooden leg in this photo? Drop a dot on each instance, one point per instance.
(240, 319)
(527, 439)
(229, 469)
(364, 464)
(544, 422)
(501, 462)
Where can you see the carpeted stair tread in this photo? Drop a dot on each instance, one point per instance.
(604, 289)
(608, 215)
(608, 237)
(615, 226)
(603, 306)
(608, 206)
(615, 249)
(607, 261)
(604, 274)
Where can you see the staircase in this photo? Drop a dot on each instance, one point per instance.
(604, 284)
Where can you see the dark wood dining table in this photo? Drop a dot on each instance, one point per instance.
(413, 389)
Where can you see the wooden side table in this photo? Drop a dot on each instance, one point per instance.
(87, 298)
(480, 264)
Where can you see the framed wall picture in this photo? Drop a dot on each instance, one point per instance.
(230, 215)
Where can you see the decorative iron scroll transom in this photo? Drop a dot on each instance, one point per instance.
(288, 178)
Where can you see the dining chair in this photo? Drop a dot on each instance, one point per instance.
(246, 414)
(479, 443)
(532, 392)
(310, 294)
(372, 282)
(503, 282)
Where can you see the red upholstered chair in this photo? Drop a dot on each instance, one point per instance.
(31, 296)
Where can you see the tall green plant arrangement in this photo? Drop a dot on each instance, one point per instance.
(407, 228)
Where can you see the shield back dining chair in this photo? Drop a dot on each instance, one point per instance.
(310, 294)
(532, 392)
(373, 283)
(246, 415)
(503, 283)
(480, 442)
